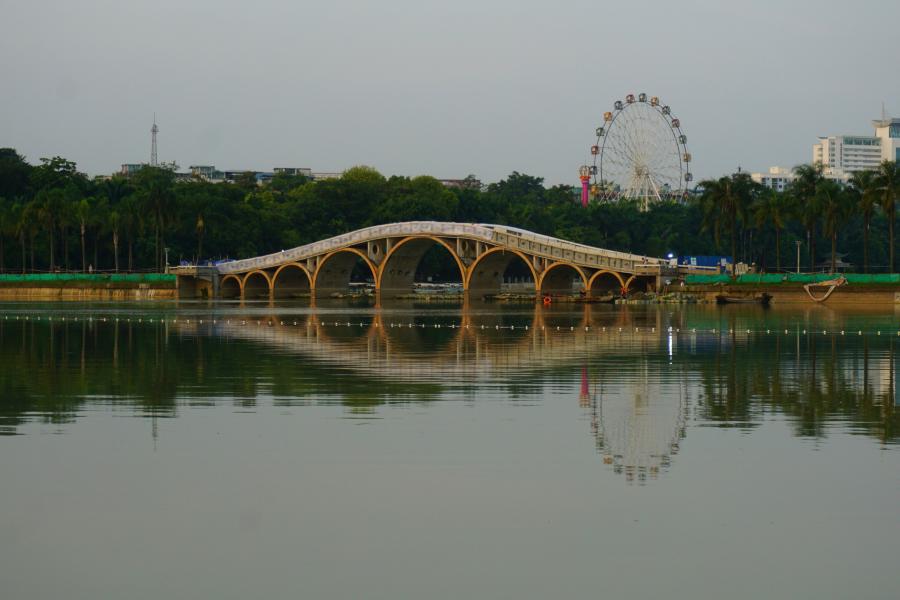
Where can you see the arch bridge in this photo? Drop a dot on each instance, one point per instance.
(392, 254)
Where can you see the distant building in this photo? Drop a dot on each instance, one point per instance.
(847, 153)
(778, 178)
(843, 155)
(203, 171)
(129, 170)
(465, 183)
(321, 176)
(293, 171)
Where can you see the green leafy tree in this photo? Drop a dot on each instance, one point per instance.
(247, 181)
(864, 191)
(14, 173)
(365, 176)
(284, 182)
(56, 172)
(888, 186)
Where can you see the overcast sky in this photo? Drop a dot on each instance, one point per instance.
(438, 88)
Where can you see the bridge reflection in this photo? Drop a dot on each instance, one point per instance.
(641, 376)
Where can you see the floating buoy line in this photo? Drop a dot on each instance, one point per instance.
(607, 329)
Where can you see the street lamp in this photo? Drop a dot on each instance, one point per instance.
(799, 243)
(167, 259)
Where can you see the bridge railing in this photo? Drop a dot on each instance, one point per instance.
(572, 246)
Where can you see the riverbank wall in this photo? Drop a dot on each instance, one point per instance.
(82, 287)
(87, 291)
(861, 294)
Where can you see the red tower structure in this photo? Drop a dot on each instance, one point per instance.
(585, 174)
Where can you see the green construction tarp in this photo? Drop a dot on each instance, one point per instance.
(804, 278)
(708, 279)
(89, 278)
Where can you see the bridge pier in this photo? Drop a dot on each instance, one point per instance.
(201, 283)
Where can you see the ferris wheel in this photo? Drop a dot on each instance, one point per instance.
(641, 154)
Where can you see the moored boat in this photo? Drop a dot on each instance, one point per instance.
(728, 299)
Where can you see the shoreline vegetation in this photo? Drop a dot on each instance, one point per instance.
(54, 219)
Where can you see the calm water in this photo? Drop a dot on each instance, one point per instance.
(614, 452)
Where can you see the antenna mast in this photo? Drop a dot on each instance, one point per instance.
(153, 130)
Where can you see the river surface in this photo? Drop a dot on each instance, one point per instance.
(442, 450)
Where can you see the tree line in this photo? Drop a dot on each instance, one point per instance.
(817, 205)
(52, 217)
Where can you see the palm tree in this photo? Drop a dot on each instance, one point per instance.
(777, 209)
(130, 211)
(65, 221)
(723, 201)
(99, 224)
(888, 186)
(83, 215)
(836, 210)
(115, 189)
(33, 224)
(49, 205)
(863, 188)
(158, 200)
(114, 224)
(5, 226)
(20, 226)
(805, 187)
(201, 214)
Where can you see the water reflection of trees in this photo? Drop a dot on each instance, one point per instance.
(728, 379)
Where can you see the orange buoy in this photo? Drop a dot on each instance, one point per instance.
(547, 300)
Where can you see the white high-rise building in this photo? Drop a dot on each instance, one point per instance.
(845, 154)
(849, 154)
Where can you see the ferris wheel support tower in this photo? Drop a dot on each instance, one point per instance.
(585, 175)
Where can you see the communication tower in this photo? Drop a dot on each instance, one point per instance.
(153, 130)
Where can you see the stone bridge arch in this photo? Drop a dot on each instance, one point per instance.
(605, 281)
(334, 271)
(559, 277)
(398, 269)
(636, 283)
(255, 285)
(231, 287)
(485, 276)
(291, 278)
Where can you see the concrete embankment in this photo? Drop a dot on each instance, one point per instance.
(49, 290)
(83, 286)
(861, 294)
